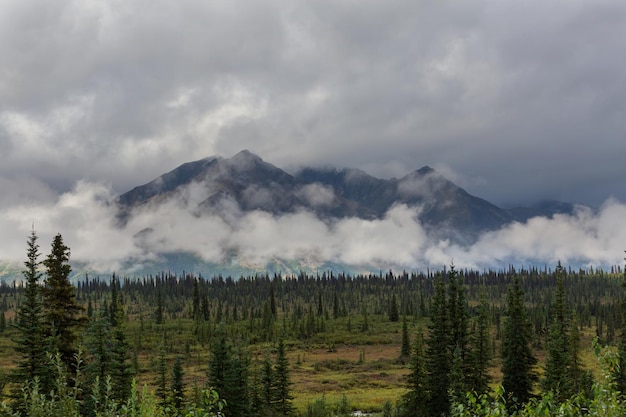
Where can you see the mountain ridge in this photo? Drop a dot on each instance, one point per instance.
(446, 210)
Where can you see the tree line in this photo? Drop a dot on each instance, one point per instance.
(76, 338)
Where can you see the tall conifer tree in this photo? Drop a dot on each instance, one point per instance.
(438, 357)
(61, 308)
(517, 356)
(620, 374)
(29, 337)
(282, 396)
(415, 401)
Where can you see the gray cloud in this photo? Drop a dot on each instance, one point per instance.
(521, 102)
(87, 222)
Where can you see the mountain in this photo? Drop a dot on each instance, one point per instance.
(444, 209)
(245, 178)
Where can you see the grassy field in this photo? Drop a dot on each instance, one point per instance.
(344, 363)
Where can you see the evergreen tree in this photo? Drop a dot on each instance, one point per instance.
(394, 315)
(620, 373)
(158, 313)
(518, 361)
(61, 308)
(405, 348)
(121, 369)
(228, 375)
(29, 339)
(98, 344)
(195, 312)
(237, 393)
(555, 375)
(480, 354)
(438, 357)
(114, 302)
(267, 384)
(563, 372)
(415, 401)
(161, 376)
(282, 397)
(178, 387)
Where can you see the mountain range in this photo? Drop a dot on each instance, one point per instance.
(443, 208)
(241, 216)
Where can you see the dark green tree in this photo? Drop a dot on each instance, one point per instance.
(195, 312)
(415, 401)
(62, 311)
(228, 374)
(121, 368)
(405, 348)
(267, 385)
(458, 344)
(98, 344)
(438, 356)
(161, 372)
(29, 339)
(518, 361)
(178, 387)
(556, 368)
(282, 397)
(158, 313)
(481, 352)
(114, 302)
(620, 373)
(394, 315)
(563, 371)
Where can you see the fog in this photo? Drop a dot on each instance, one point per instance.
(89, 224)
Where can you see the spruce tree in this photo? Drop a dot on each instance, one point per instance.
(563, 372)
(178, 387)
(29, 339)
(228, 375)
(121, 369)
(438, 357)
(415, 401)
(98, 344)
(518, 375)
(458, 344)
(161, 372)
(267, 384)
(282, 397)
(61, 308)
(620, 373)
(394, 315)
(555, 376)
(480, 353)
(405, 348)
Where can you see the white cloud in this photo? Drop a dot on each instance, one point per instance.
(317, 195)
(88, 221)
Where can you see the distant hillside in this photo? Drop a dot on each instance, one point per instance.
(445, 209)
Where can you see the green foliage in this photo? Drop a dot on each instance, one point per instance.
(405, 346)
(61, 308)
(604, 398)
(415, 401)
(438, 357)
(517, 356)
(178, 386)
(29, 339)
(281, 383)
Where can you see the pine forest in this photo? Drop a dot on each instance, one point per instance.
(535, 341)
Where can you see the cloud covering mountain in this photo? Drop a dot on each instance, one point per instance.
(249, 230)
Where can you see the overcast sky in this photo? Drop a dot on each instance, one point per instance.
(515, 101)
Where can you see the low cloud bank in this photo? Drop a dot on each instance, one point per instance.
(88, 222)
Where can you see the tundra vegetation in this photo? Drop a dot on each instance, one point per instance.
(516, 342)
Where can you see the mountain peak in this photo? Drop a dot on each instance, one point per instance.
(425, 170)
